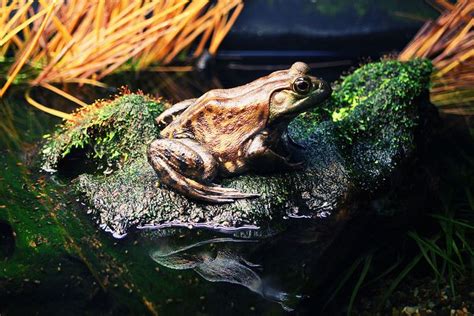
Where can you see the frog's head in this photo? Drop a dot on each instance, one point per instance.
(301, 93)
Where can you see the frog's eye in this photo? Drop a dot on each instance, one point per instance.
(302, 85)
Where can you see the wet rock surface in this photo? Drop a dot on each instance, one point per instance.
(133, 196)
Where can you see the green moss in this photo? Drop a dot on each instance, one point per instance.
(381, 101)
(379, 95)
(109, 132)
(373, 112)
(373, 96)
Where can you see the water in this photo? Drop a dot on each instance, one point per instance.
(67, 261)
(56, 259)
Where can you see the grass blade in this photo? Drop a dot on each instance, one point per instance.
(424, 252)
(343, 281)
(398, 279)
(365, 269)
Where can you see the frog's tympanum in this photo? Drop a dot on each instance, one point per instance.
(230, 131)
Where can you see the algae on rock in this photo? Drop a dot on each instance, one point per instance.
(109, 132)
(376, 109)
(374, 114)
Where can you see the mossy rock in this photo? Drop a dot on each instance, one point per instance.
(109, 133)
(370, 131)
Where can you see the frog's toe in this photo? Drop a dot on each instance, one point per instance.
(221, 189)
(239, 195)
(217, 193)
(210, 195)
(296, 165)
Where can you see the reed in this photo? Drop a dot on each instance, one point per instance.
(82, 41)
(449, 43)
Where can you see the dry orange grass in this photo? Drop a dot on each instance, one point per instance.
(449, 43)
(82, 41)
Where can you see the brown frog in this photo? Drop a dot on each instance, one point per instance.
(229, 131)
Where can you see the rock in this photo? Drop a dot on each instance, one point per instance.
(353, 144)
(133, 197)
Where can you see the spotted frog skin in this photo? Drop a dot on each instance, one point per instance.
(230, 131)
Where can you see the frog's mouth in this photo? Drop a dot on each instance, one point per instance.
(322, 92)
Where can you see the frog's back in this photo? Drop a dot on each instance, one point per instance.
(222, 120)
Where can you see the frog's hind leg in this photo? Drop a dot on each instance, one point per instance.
(185, 165)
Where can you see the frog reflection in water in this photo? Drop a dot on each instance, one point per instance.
(230, 131)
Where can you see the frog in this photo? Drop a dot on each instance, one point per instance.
(227, 132)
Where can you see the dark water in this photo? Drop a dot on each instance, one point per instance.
(178, 270)
(56, 260)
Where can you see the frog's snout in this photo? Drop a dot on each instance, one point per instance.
(324, 88)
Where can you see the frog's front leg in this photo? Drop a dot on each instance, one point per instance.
(267, 159)
(170, 114)
(187, 167)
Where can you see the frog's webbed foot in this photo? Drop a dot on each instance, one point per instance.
(184, 165)
(289, 143)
